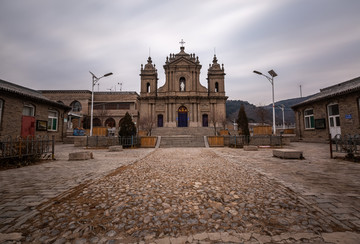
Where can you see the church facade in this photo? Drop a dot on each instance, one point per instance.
(182, 101)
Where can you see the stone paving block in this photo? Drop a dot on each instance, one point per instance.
(115, 148)
(10, 237)
(287, 154)
(80, 156)
(214, 236)
(250, 148)
(200, 236)
(341, 237)
(165, 240)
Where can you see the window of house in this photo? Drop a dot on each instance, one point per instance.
(1, 110)
(309, 119)
(52, 120)
(75, 106)
(28, 110)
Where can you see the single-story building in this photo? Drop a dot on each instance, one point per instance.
(25, 112)
(335, 110)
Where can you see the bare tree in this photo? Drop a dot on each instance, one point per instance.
(262, 113)
(215, 119)
(147, 123)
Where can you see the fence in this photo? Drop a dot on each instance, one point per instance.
(39, 147)
(347, 144)
(129, 141)
(259, 140)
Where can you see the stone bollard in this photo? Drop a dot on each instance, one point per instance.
(80, 156)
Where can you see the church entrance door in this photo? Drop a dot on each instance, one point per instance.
(182, 117)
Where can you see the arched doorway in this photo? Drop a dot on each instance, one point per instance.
(182, 117)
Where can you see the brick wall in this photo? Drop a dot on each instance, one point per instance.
(12, 116)
(348, 105)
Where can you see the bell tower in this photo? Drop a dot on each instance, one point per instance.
(149, 78)
(216, 78)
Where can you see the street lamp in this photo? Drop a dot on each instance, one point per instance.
(282, 107)
(271, 79)
(94, 81)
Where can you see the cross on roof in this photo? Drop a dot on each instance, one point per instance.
(182, 42)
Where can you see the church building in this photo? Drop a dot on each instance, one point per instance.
(182, 101)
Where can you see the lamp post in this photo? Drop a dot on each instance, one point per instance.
(94, 81)
(282, 107)
(271, 79)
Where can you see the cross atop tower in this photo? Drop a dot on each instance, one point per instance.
(182, 43)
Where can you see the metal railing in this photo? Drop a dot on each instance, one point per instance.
(36, 147)
(349, 144)
(258, 140)
(129, 141)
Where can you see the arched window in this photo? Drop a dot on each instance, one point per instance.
(96, 122)
(182, 84)
(75, 106)
(160, 121)
(216, 87)
(110, 122)
(205, 120)
(148, 87)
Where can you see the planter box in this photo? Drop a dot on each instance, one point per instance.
(148, 141)
(216, 141)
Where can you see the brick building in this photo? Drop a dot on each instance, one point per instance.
(109, 107)
(182, 101)
(334, 110)
(26, 112)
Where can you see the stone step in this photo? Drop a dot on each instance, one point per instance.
(190, 131)
(182, 141)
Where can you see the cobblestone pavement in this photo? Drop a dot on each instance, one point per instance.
(195, 195)
(24, 189)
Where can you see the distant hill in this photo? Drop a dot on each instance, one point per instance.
(263, 114)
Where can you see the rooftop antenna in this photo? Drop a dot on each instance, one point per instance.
(110, 89)
(120, 84)
(149, 52)
(300, 91)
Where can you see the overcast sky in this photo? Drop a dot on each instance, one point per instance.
(52, 44)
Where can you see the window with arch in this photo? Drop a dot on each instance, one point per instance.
(148, 87)
(29, 110)
(205, 120)
(309, 118)
(182, 83)
(216, 86)
(75, 106)
(52, 124)
(110, 122)
(96, 122)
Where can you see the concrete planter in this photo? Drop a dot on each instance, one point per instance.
(148, 141)
(216, 141)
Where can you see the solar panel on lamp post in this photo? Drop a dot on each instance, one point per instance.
(271, 79)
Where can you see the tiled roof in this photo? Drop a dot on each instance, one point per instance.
(9, 87)
(332, 91)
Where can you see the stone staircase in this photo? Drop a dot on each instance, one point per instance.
(182, 141)
(182, 136)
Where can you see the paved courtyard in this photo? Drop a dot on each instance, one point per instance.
(179, 195)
